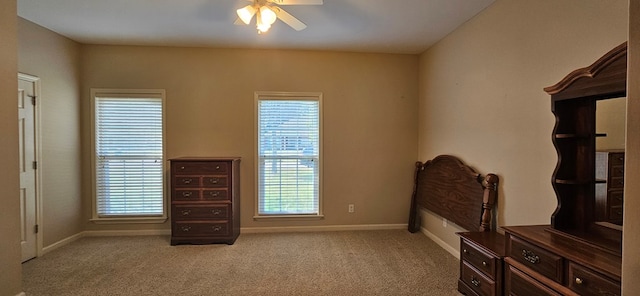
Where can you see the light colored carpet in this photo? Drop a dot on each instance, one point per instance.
(389, 262)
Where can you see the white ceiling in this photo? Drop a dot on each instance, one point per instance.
(383, 26)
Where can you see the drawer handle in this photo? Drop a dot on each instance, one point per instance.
(216, 212)
(475, 281)
(217, 167)
(186, 228)
(186, 212)
(465, 251)
(530, 256)
(217, 228)
(213, 180)
(214, 193)
(182, 168)
(484, 263)
(187, 181)
(186, 194)
(579, 281)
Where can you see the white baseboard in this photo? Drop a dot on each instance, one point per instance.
(441, 243)
(61, 243)
(126, 232)
(322, 228)
(97, 233)
(90, 233)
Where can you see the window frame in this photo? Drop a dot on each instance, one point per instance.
(302, 96)
(126, 93)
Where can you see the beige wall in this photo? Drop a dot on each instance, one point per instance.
(10, 274)
(481, 94)
(55, 60)
(631, 238)
(370, 119)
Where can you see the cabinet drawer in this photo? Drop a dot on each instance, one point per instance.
(215, 194)
(215, 181)
(615, 213)
(187, 181)
(200, 211)
(186, 195)
(616, 171)
(544, 262)
(615, 198)
(587, 282)
(199, 167)
(518, 283)
(616, 158)
(200, 228)
(477, 281)
(616, 182)
(479, 259)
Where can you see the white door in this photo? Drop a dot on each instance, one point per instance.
(28, 176)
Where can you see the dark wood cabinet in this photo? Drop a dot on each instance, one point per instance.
(543, 261)
(481, 263)
(610, 186)
(205, 200)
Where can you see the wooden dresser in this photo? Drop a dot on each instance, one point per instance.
(205, 200)
(609, 195)
(481, 263)
(543, 261)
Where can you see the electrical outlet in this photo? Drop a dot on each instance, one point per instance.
(352, 208)
(444, 222)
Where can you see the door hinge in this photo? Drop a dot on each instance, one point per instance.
(36, 228)
(33, 100)
(35, 165)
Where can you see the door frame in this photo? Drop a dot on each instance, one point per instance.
(38, 157)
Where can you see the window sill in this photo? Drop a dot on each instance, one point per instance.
(130, 220)
(289, 217)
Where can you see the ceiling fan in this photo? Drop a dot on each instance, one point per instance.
(267, 11)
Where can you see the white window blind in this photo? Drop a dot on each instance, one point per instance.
(289, 156)
(129, 156)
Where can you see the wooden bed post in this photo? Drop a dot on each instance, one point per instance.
(414, 216)
(490, 184)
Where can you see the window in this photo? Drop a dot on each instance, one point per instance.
(289, 154)
(128, 156)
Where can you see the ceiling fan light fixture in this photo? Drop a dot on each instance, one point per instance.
(246, 13)
(262, 27)
(267, 15)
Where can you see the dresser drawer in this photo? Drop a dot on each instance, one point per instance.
(477, 281)
(199, 167)
(215, 194)
(616, 182)
(588, 282)
(200, 228)
(185, 195)
(616, 158)
(479, 259)
(519, 283)
(616, 171)
(539, 260)
(215, 181)
(615, 198)
(615, 213)
(200, 211)
(187, 181)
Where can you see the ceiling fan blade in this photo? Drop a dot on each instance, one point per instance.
(289, 19)
(296, 2)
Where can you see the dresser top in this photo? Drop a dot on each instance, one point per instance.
(571, 248)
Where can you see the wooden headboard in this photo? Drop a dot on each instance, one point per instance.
(449, 188)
